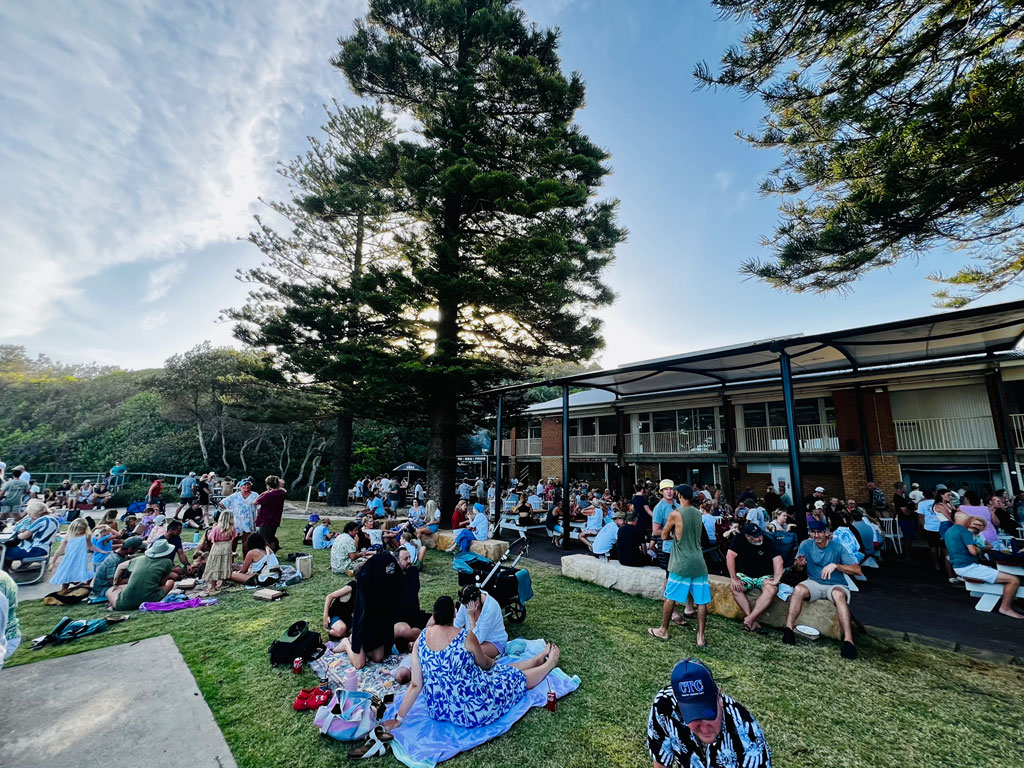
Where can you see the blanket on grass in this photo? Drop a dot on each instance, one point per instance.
(378, 679)
(423, 743)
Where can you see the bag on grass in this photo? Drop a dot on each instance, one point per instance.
(67, 596)
(297, 641)
(68, 630)
(348, 716)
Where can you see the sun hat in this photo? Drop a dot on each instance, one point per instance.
(160, 548)
(619, 515)
(478, 507)
(665, 484)
(695, 691)
(159, 520)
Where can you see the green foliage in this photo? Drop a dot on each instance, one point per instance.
(902, 127)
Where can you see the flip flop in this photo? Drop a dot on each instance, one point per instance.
(681, 622)
(655, 635)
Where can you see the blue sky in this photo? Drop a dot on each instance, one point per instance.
(139, 136)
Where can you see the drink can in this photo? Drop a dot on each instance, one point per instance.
(552, 704)
(297, 665)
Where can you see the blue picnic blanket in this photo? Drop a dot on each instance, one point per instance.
(423, 743)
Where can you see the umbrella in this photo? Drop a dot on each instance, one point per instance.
(409, 467)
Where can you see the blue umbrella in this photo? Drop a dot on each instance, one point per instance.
(409, 467)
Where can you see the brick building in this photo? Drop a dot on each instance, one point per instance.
(937, 399)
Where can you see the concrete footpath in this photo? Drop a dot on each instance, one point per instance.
(71, 712)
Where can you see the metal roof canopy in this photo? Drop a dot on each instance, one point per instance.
(979, 330)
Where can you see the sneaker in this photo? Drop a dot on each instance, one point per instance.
(955, 580)
(848, 651)
(788, 636)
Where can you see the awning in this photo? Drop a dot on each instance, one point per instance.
(975, 331)
(408, 467)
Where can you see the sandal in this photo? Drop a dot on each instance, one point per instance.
(369, 748)
(656, 636)
(383, 734)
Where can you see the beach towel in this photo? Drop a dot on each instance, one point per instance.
(178, 605)
(423, 743)
(375, 678)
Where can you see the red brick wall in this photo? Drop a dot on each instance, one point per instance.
(551, 436)
(881, 433)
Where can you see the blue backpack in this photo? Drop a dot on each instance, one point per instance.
(137, 508)
(68, 630)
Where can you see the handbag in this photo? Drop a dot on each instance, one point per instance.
(348, 716)
(297, 641)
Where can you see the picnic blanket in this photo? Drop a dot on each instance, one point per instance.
(375, 678)
(423, 743)
(178, 605)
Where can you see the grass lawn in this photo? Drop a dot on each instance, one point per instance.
(902, 705)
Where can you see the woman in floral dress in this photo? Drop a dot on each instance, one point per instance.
(462, 684)
(242, 504)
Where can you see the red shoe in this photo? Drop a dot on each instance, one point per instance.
(300, 701)
(314, 699)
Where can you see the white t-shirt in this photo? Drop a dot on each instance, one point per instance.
(540, 488)
(490, 627)
(916, 496)
(931, 520)
(606, 539)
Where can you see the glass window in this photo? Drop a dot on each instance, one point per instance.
(830, 411)
(643, 422)
(535, 430)
(685, 419)
(664, 421)
(705, 418)
(574, 427)
(587, 426)
(755, 415)
(807, 412)
(776, 414)
(607, 425)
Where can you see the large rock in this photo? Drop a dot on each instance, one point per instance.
(492, 549)
(650, 582)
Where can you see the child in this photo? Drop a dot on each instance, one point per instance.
(222, 536)
(307, 533)
(102, 543)
(147, 522)
(110, 520)
(71, 564)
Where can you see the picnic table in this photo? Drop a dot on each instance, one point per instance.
(989, 595)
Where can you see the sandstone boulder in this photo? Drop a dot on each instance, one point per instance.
(492, 549)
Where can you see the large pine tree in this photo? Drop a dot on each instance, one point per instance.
(508, 243)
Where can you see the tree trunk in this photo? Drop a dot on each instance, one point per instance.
(284, 456)
(341, 462)
(202, 443)
(305, 460)
(224, 452)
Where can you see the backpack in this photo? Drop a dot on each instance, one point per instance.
(68, 630)
(137, 508)
(297, 641)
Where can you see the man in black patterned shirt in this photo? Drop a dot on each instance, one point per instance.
(694, 725)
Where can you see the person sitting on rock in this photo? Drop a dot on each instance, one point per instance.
(595, 522)
(608, 536)
(476, 530)
(827, 563)
(631, 543)
(753, 563)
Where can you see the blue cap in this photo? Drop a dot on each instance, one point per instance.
(478, 507)
(695, 691)
(816, 525)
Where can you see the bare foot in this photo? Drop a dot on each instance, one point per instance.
(701, 642)
(1011, 613)
(554, 655)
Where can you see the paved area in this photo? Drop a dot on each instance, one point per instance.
(66, 714)
(907, 602)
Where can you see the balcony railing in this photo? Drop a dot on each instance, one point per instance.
(506, 447)
(528, 446)
(813, 438)
(592, 445)
(682, 442)
(976, 432)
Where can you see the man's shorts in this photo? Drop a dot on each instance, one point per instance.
(678, 588)
(977, 571)
(752, 582)
(821, 591)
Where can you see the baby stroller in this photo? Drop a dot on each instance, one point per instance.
(510, 586)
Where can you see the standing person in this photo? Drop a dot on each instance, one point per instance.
(916, 495)
(687, 571)
(930, 524)
(784, 497)
(72, 561)
(218, 564)
(692, 723)
(156, 488)
(187, 488)
(242, 504)
(321, 491)
(117, 474)
(203, 496)
(419, 493)
(642, 508)
(270, 507)
(11, 635)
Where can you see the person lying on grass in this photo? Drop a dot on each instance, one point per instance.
(258, 557)
(462, 684)
(692, 723)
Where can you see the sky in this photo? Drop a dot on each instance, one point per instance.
(139, 137)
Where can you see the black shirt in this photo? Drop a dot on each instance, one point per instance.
(630, 541)
(643, 517)
(753, 561)
(203, 488)
(772, 501)
(195, 514)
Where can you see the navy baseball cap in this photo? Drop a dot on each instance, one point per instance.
(695, 691)
(686, 491)
(816, 525)
(752, 529)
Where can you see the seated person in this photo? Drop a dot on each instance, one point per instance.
(157, 528)
(524, 512)
(553, 522)
(460, 515)
(108, 573)
(476, 530)
(964, 556)
(535, 502)
(131, 523)
(345, 549)
(372, 536)
(374, 506)
(311, 523)
(462, 684)
(100, 496)
(826, 562)
(431, 518)
(33, 534)
(631, 543)
(410, 619)
(322, 534)
(481, 611)
(50, 499)
(63, 492)
(148, 578)
(417, 515)
(338, 611)
(84, 493)
(607, 536)
(173, 537)
(104, 541)
(192, 515)
(594, 524)
(848, 538)
(413, 546)
(865, 533)
(753, 562)
(259, 555)
(780, 522)
(377, 594)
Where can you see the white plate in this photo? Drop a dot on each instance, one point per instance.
(809, 632)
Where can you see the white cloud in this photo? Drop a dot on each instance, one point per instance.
(144, 131)
(152, 320)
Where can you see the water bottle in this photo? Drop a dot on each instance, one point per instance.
(351, 683)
